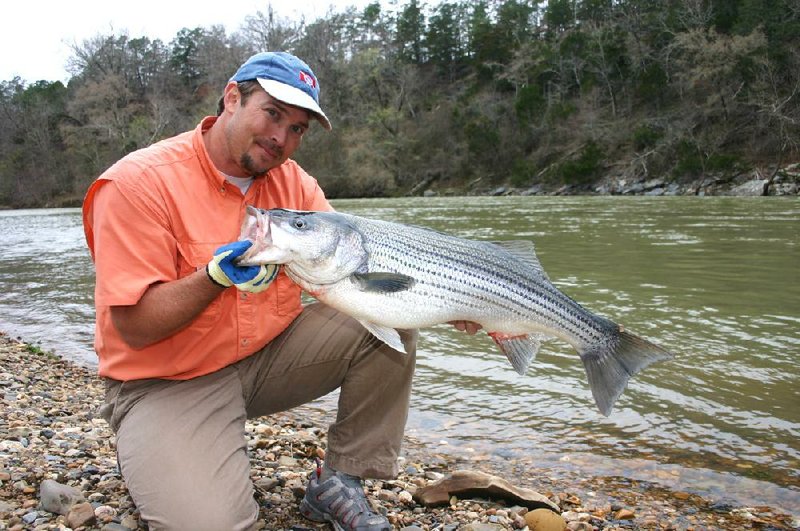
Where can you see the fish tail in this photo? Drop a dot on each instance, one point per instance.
(610, 365)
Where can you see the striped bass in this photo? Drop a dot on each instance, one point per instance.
(392, 276)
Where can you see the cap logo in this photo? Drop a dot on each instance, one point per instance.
(308, 80)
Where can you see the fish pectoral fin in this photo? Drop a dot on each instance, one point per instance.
(385, 334)
(520, 350)
(383, 282)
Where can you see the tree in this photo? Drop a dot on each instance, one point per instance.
(31, 169)
(184, 59)
(444, 38)
(267, 31)
(410, 32)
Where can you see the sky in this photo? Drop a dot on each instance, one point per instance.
(36, 38)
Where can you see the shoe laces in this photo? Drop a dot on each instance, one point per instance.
(349, 504)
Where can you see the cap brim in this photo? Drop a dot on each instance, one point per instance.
(293, 96)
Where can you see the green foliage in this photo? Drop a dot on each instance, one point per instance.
(183, 57)
(722, 162)
(646, 136)
(482, 137)
(37, 350)
(651, 81)
(443, 37)
(558, 112)
(585, 167)
(689, 160)
(410, 32)
(559, 14)
(530, 103)
(523, 172)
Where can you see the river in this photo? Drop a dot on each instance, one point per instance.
(714, 280)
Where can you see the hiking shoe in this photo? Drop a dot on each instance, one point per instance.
(340, 500)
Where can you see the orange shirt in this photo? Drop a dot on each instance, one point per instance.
(158, 215)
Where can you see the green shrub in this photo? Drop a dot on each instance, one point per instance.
(722, 162)
(689, 161)
(522, 173)
(646, 136)
(560, 111)
(530, 103)
(583, 168)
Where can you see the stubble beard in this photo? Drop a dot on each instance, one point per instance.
(249, 165)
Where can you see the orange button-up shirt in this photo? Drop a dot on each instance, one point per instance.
(158, 215)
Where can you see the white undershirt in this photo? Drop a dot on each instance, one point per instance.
(242, 183)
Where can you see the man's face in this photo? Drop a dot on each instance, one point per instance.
(263, 132)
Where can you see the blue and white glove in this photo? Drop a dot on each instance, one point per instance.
(223, 272)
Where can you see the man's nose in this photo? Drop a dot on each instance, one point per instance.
(279, 135)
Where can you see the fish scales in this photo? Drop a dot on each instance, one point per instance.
(497, 293)
(389, 275)
(491, 273)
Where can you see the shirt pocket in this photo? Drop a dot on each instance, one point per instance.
(192, 257)
(287, 294)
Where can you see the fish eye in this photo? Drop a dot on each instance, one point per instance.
(299, 223)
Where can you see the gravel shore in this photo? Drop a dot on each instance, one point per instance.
(49, 431)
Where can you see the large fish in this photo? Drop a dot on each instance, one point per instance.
(393, 276)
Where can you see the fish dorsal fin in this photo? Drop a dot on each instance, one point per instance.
(383, 282)
(385, 334)
(520, 350)
(525, 251)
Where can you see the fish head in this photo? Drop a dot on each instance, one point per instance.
(317, 248)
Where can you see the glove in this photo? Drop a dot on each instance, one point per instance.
(223, 272)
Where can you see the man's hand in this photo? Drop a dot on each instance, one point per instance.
(223, 272)
(466, 326)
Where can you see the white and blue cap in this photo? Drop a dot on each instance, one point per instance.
(285, 78)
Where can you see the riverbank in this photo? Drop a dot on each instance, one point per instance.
(783, 181)
(49, 430)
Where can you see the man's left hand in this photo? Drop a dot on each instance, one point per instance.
(466, 326)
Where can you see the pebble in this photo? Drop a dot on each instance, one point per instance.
(64, 475)
(545, 520)
(58, 498)
(624, 514)
(80, 515)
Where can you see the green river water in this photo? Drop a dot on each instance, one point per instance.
(714, 280)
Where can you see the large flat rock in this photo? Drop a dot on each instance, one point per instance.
(469, 483)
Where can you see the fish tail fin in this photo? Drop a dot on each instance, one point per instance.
(610, 365)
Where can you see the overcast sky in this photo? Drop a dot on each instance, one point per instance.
(36, 36)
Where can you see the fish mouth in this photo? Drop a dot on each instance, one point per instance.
(256, 229)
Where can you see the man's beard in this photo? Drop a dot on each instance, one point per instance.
(247, 162)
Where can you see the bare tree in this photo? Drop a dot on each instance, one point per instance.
(266, 31)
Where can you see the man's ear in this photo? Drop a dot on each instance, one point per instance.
(231, 96)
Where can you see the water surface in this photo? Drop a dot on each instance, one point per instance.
(714, 280)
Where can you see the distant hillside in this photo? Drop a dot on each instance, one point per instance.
(460, 96)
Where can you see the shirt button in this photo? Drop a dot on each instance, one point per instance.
(243, 295)
(244, 341)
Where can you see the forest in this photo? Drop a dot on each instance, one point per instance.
(460, 95)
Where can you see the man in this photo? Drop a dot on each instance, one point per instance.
(191, 345)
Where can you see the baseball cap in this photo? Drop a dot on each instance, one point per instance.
(285, 78)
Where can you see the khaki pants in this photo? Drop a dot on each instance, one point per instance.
(181, 444)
